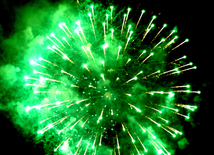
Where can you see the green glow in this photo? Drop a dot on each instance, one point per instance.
(138, 110)
(52, 35)
(186, 40)
(154, 17)
(65, 57)
(105, 45)
(184, 56)
(78, 22)
(76, 31)
(93, 99)
(26, 77)
(171, 94)
(195, 67)
(27, 108)
(32, 62)
(60, 25)
(143, 11)
(199, 92)
(39, 132)
(175, 29)
(160, 151)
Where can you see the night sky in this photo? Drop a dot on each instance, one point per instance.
(194, 21)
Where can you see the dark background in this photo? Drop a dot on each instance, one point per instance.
(194, 19)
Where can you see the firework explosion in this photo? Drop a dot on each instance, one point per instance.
(106, 84)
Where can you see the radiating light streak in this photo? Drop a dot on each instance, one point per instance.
(184, 86)
(164, 25)
(101, 138)
(124, 18)
(142, 12)
(141, 143)
(94, 142)
(34, 63)
(52, 35)
(127, 16)
(153, 121)
(146, 58)
(67, 73)
(52, 41)
(147, 31)
(134, 78)
(145, 77)
(41, 59)
(141, 54)
(119, 48)
(89, 50)
(92, 26)
(185, 41)
(162, 40)
(86, 149)
(79, 142)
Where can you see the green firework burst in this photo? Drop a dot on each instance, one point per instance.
(106, 84)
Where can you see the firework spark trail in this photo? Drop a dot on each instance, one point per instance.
(95, 104)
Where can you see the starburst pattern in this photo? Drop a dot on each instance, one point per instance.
(106, 87)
